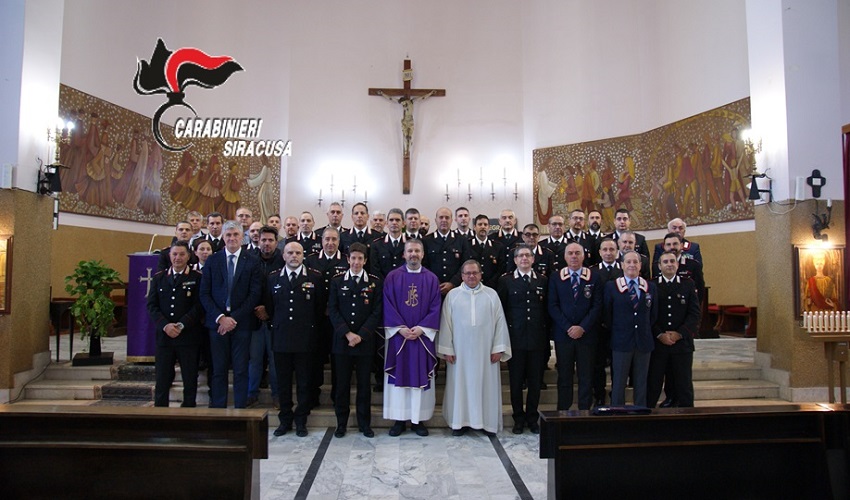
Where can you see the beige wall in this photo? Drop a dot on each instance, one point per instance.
(729, 267)
(780, 335)
(24, 332)
(74, 244)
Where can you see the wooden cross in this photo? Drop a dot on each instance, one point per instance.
(406, 97)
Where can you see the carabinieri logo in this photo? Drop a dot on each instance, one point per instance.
(170, 73)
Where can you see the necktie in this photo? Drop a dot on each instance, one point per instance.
(395, 244)
(608, 268)
(357, 280)
(633, 294)
(292, 276)
(359, 235)
(574, 281)
(231, 270)
(525, 278)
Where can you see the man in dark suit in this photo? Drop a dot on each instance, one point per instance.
(306, 237)
(489, 253)
(556, 242)
(329, 262)
(507, 234)
(608, 270)
(411, 223)
(622, 222)
(576, 233)
(230, 289)
(523, 295)
(630, 309)
(690, 249)
(575, 303)
(628, 243)
(355, 307)
(689, 268)
(678, 323)
(544, 259)
(360, 231)
(175, 307)
(295, 302)
(215, 222)
(334, 220)
(182, 232)
(445, 252)
(271, 259)
(387, 253)
(462, 222)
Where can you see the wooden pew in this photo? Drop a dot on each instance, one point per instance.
(130, 452)
(786, 451)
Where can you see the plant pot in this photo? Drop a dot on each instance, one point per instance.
(94, 346)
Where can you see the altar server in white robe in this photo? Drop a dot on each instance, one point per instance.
(473, 338)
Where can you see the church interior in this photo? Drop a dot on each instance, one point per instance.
(518, 77)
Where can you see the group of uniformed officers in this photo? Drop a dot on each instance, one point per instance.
(242, 294)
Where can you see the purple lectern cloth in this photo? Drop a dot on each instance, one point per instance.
(411, 299)
(141, 331)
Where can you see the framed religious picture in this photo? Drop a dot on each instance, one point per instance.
(5, 273)
(819, 278)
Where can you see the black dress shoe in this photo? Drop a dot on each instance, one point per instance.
(368, 432)
(340, 431)
(667, 403)
(459, 432)
(397, 428)
(543, 386)
(534, 427)
(599, 402)
(419, 429)
(517, 428)
(282, 429)
(301, 431)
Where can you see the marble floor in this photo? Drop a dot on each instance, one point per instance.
(472, 466)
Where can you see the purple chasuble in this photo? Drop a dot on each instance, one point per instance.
(411, 299)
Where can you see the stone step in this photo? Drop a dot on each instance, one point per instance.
(63, 389)
(64, 371)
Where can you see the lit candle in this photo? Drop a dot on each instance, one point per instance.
(447, 188)
(320, 192)
(828, 202)
(366, 197)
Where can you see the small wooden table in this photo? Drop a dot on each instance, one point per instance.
(835, 347)
(130, 452)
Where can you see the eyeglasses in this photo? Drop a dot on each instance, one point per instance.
(471, 273)
(531, 235)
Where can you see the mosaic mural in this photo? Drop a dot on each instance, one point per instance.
(117, 170)
(694, 168)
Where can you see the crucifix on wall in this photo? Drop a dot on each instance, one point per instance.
(406, 97)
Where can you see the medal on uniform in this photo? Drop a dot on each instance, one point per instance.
(682, 299)
(189, 293)
(457, 255)
(587, 291)
(494, 261)
(366, 301)
(648, 300)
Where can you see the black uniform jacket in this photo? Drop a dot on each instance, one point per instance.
(176, 299)
(295, 309)
(357, 308)
(526, 309)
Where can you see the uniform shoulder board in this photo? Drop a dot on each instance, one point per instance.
(337, 275)
(374, 277)
(311, 270)
(160, 272)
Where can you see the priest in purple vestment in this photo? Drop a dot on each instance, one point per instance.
(411, 320)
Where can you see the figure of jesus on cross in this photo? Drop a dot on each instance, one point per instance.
(406, 97)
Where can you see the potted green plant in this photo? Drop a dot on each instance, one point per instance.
(91, 283)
